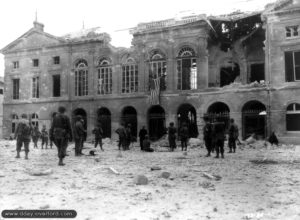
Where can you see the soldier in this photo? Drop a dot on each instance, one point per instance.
(98, 135)
(22, 134)
(207, 136)
(79, 135)
(172, 136)
(122, 136)
(233, 134)
(142, 134)
(147, 144)
(44, 137)
(219, 135)
(184, 136)
(35, 134)
(60, 133)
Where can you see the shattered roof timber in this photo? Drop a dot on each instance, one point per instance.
(235, 16)
(87, 34)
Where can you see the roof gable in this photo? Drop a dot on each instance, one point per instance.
(282, 5)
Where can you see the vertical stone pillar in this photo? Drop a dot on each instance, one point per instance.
(202, 64)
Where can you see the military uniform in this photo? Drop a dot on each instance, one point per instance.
(142, 134)
(35, 134)
(98, 136)
(219, 135)
(61, 133)
(122, 137)
(233, 134)
(44, 136)
(22, 134)
(207, 136)
(172, 137)
(184, 135)
(79, 136)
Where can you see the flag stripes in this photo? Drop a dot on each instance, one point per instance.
(154, 91)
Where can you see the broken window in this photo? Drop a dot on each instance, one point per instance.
(293, 117)
(81, 78)
(16, 88)
(257, 72)
(35, 62)
(130, 76)
(56, 85)
(56, 60)
(292, 66)
(104, 77)
(16, 64)
(158, 68)
(35, 120)
(1, 91)
(35, 87)
(14, 123)
(229, 73)
(291, 31)
(187, 69)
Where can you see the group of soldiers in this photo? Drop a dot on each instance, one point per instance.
(61, 133)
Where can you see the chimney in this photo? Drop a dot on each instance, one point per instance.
(38, 26)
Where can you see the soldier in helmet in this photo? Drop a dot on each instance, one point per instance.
(61, 133)
(79, 135)
(22, 134)
(172, 136)
(219, 136)
(207, 136)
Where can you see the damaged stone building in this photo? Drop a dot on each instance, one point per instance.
(244, 66)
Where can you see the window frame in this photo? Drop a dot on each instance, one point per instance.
(16, 89)
(290, 29)
(130, 77)
(35, 63)
(35, 92)
(56, 60)
(104, 77)
(16, 65)
(81, 78)
(292, 112)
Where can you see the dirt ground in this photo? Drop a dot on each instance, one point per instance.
(268, 189)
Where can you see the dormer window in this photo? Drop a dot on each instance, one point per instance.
(16, 64)
(35, 62)
(292, 31)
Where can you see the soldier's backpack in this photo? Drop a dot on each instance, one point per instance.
(25, 130)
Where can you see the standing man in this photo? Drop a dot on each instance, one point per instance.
(128, 136)
(22, 134)
(79, 135)
(44, 136)
(219, 135)
(35, 134)
(233, 134)
(122, 136)
(60, 133)
(207, 136)
(172, 136)
(184, 136)
(142, 134)
(98, 135)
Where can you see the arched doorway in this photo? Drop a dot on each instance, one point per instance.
(156, 122)
(82, 113)
(187, 114)
(254, 119)
(104, 117)
(219, 111)
(129, 116)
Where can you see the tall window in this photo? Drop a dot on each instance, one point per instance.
(130, 76)
(35, 62)
(293, 117)
(81, 78)
(16, 64)
(104, 76)
(16, 88)
(34, 120)
(14, 122)
(291, 31)
(56, 60)
(187, 69)
(35, 87)
(292, 66)
(158, 68)
(56, 85)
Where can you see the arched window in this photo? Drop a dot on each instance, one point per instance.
(81, 78)
(104, 76)
(130, 80)
(35, 120)
(187, 69)
(293, 117)
(14, 123)
(158, 68)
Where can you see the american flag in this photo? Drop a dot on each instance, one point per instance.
(154, 91)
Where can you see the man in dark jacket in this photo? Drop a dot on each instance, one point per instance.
(172, 136)
(147, 144)
(233, 134)
(60, 133)
(44, 136)
(122, 136)
(219, 135)
(184, 136)
(22, 134)
(142, 133)
(98, 135)
(207, 136)
(79, 135)
(35, 134)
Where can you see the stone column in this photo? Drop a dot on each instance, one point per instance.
(202, 64)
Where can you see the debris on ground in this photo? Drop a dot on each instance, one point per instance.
(141, 180)
(36, 172)
(155, 168)
(165, 175)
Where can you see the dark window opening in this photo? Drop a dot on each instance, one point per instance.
(35, 62)
(104, 118)
(187, 115)
(293, 117)
(56, 60)
(16, 64)
(16, 88)
(187, 74)
(257, 72)
(292, 66)
(220, 112)
(156, 122)
(129, 116)
(229, 74)
(291, 31)
(1, 91)
(56, 85)
(35, 87)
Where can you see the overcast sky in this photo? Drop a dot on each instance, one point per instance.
(113, 16)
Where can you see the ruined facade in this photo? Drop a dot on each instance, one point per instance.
(243, 66)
